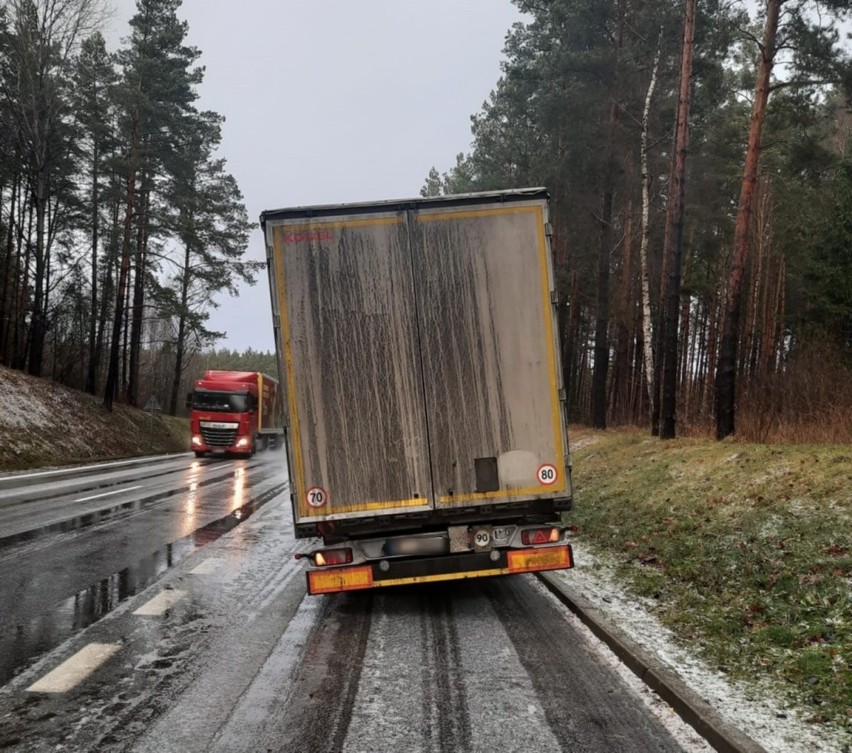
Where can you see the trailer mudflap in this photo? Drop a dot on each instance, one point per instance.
(431, 569)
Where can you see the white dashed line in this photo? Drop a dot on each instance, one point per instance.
(107, 494)
(75, 669)
(208, 567)
(161, 602)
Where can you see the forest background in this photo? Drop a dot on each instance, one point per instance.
(701, 211)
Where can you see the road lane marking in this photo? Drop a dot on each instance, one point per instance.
(161, 602)
(208, 566)
(75, 669)
(107, 494)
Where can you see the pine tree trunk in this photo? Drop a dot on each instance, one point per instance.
(181, 334)
(38, 325)
(668, 403)
(621, 368)
(725, 394)
(92, 373)
(599, 378)
(138, 308)
(6, 306)
(111, 388)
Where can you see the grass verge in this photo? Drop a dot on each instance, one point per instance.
(745, 548)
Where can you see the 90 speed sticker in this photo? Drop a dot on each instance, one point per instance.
(547, 475)
(316, 496)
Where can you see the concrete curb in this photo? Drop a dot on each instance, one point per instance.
(694, 710)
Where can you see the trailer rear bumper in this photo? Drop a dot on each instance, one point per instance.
(432, 569)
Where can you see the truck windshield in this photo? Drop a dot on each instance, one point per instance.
(223, 402)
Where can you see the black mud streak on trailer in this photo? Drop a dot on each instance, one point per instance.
(456, 357)
(588, 707)
(445, 708)
(325, 684)
(362, 427)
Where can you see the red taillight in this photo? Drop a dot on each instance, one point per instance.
(541, 536)
(328, 557)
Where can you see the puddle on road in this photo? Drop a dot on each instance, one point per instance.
(31, 640)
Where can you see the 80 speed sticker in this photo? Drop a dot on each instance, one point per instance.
(547, 475)
(316, 496)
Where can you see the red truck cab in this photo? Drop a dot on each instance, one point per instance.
(233, 413)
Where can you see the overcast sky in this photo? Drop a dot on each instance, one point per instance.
(331, 101)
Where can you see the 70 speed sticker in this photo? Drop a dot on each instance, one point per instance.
(547, 474)
(316, 496)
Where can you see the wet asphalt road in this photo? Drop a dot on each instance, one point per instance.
(213, 645)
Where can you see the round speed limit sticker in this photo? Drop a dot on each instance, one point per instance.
(547, 475)
(316, 496)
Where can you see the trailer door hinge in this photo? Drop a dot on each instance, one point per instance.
(548, 229)
(554, 297)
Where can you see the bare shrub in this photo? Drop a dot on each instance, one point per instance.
(808, 401)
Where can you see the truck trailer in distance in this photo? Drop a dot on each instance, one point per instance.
(424, 411)
(234, 413)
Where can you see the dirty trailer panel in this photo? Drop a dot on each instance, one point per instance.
(420, 361)
(489, 357)
(348, 335)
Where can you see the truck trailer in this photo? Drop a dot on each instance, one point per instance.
(424, 411)
(234, 413)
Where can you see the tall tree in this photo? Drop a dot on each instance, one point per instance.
(813, 39)
(210, 220)
(157, 93)
(46, 35)
(95, 80)
(645, 236)
(668, 403)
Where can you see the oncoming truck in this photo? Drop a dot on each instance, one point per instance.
(234, 413)
(424, 411)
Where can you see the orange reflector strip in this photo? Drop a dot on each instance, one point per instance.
(342, 579)
(530, 560)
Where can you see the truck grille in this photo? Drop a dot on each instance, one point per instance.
(218, 437)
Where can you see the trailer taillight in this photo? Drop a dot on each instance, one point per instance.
(328, 557)
(541, 536)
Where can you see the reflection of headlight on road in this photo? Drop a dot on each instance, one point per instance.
(190, 504)
(239, 491)
(238, 514)
(193, 486)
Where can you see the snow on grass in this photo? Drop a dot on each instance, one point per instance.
(46, 424)
(757, 711)
(19, 408)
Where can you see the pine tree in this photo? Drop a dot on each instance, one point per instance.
(95, 80)
(817, 60)
(156, 94)
(210, 221)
